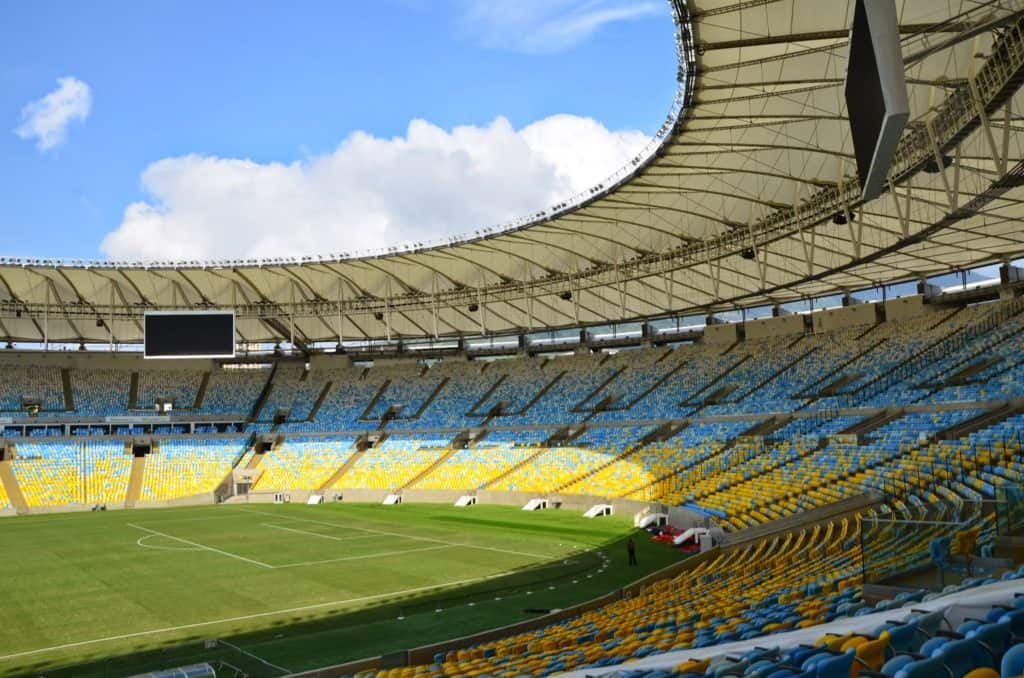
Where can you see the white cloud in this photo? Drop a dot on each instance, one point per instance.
(46, 120)
(543, 26)
(369, 192)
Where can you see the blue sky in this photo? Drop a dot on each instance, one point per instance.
(190, 125)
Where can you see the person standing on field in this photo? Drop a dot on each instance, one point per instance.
(631, 550)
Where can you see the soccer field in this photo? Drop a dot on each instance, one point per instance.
(297, 586)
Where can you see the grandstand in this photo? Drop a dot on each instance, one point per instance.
(723, 338)
(189, 467)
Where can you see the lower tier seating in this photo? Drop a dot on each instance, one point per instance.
(474, 467)
(78, 473)
(397, 460)
(915, 644)
(553, 468)
(302, 463)
(185, 468)
(793, 581)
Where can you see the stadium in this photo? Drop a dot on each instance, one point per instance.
(725, 413)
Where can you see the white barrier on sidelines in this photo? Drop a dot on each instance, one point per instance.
(644, 519)
(598, 510)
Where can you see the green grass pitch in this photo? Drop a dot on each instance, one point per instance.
(296, 586)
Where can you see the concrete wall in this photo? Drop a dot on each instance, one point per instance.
(99, 360)
(329, 361)
(721, 334)
(774, 327)
(70, 508)
(630, 507)
(197, 500)
(684, 518)
(294, 496)
(362, 496)
(204, 499)
(433, 496)
(849, 316)
(505, 498)
(906, 308)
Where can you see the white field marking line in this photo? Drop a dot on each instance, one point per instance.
(362, 557)
(187, 520)
(404, 536)
(163, 548)
(318, 534)
(231, 620)
(202, 546)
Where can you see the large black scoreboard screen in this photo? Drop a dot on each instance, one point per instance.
(876, 92)
(205, 334)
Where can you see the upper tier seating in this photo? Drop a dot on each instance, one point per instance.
(467, 384)
(754, 377)
(101, 393)
(351, 395)
(657, 382)
(233, 391)
(39, 384)
(524, 379)
(295, 390)
(178, 386)
(407, 393)
(756, 384)
(827, 353)
(580, 376)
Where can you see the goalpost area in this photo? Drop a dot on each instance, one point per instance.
(279, 589)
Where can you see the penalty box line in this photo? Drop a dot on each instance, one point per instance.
(204, 547)
(342, 559)
(318, 534)
(538, 556)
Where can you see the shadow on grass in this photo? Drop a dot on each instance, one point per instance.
(396, 624)
(513, 526)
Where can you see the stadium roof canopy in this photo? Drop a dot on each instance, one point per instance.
(739, 201)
